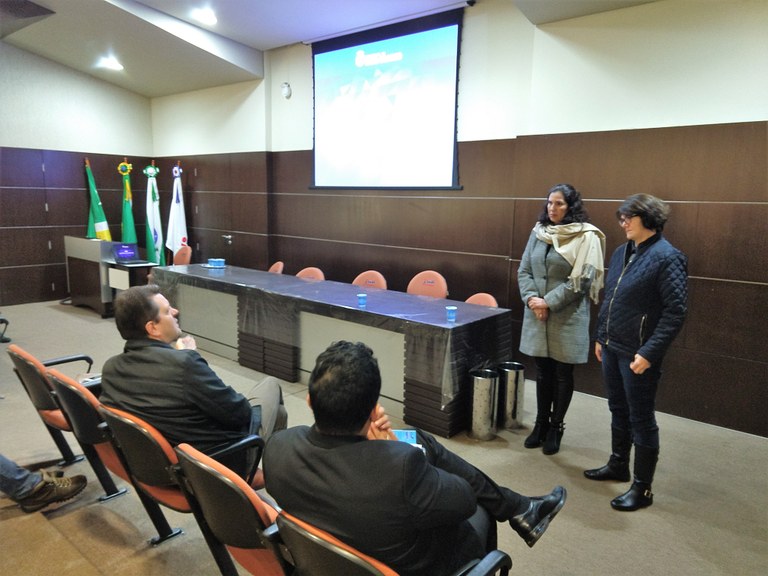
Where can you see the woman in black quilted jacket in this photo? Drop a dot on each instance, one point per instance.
(646, 290)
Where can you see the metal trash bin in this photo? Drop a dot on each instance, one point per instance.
(509, 407)
(484, 382)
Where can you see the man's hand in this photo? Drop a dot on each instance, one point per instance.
(185, 343)
(381, 427)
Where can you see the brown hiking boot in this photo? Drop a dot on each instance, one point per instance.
(52, 488)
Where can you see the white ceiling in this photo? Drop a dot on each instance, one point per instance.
(164, 53)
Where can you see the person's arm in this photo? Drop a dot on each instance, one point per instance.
(672, 286)
(214, 397)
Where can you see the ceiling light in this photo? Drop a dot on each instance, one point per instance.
(204, 16)
(110, 63)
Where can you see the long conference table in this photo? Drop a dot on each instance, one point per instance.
(277, 324)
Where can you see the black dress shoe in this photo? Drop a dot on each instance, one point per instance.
(638, 496)
(531, 524)
(611, 471)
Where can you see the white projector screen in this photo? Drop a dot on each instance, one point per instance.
(385, 106)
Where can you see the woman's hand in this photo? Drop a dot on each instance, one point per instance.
(539, 307)
(639, 364)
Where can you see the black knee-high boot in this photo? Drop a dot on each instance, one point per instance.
(544, 394)
(563, 393)
(639, 494)
(618, 464)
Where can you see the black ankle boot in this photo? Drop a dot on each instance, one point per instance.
(618, 464)
(554, 435)
(537, 435)
(532, 523)
(639, 495)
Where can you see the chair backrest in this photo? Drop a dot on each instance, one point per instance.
(483, 299)
(81, 408)
(277, 267)
(371, 279)
(148, 455)
(428, 283)
(31, 373)
(236, 515)
(182, 256)
(315, 552)
(311, 273)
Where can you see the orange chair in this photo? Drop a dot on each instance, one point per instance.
(315, 552)
(153, 467)
(183, 256)
(428, 283)
(370, 279)
(31, 374)
(82, 410)
(235, 513)
(311, 273)
(483, 299)
(277, 267)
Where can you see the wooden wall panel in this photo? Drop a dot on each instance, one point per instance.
(21, 168)
(23, 206)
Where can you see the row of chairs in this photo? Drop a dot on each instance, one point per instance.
(425, 283)
(236, 522)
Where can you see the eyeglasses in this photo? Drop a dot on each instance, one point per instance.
(624, 220)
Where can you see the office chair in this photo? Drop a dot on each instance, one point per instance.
(235, 513)
(151, 463)
(182, 256)
(277, 267)
(483, 299)
(370, 279)
(31, 374)
(428, 283)
(315, 552)
(311, 273)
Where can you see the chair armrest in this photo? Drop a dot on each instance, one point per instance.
(251, 441)
(71, 358)
(493, 562)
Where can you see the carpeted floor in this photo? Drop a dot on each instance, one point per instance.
(710, 515)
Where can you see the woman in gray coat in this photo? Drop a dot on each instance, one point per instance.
(562, 267)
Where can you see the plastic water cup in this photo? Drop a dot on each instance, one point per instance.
(362, 300)
(450, 313)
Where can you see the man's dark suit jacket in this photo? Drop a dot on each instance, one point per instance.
(379, 496)
(177, 392)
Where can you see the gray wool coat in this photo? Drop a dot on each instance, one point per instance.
(564, 336)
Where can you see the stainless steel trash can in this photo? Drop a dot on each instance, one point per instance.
(484, 399)
(509, 407)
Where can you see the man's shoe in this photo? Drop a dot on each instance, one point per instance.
(52, 489)
(533, 522)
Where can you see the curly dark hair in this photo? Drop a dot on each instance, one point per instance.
(344, 387)
(576, 211)
(653, 211)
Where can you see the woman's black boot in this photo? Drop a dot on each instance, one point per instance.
(537, 435)
(618, 464)
(554, 435)
(639, 494)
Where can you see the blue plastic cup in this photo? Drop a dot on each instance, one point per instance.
(362, 300)
(450, 313)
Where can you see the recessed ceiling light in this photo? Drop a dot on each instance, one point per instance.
(204, 16)
(110, 63)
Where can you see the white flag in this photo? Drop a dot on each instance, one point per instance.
(155, 249)
(177, 220)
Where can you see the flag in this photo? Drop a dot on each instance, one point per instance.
(97, 222)
(129, 228)
(177, 219)
(155, 250)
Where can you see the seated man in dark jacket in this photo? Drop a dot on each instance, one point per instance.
(420, 512)
(161, 378)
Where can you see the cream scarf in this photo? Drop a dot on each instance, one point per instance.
(583, 247)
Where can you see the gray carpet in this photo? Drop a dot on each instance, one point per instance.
(710, 515)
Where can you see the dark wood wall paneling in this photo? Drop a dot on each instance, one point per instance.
(716, 178)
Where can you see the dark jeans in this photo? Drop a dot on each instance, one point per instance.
(632, 398)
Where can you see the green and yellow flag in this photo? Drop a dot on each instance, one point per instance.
(97, 222)
(129, 228)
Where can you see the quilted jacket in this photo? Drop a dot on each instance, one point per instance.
(646, 295)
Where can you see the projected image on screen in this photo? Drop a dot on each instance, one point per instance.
(385, 112)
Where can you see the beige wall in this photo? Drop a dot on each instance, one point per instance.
(668, 63)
